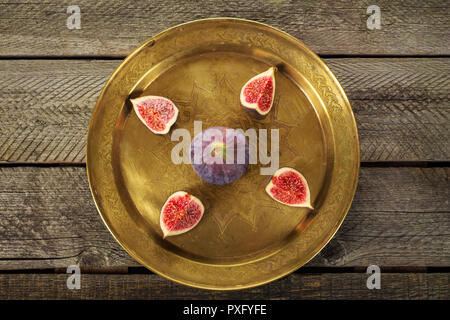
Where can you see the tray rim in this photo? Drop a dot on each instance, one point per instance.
(352, 190)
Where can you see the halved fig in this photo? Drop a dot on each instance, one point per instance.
(157, 113)
(258, 93)
(288, 186)
(181, 212)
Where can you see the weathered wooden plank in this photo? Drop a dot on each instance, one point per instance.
(400, 217)
(45, 107)
(296, 286)
(402, 107)
(114, 28)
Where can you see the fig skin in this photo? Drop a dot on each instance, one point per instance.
(219, 172)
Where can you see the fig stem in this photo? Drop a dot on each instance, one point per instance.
(218, 148)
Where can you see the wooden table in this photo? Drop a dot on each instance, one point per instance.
(397, 80)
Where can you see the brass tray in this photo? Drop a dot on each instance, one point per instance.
(245, 238)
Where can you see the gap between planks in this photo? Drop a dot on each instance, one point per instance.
(302, 270)
(322, 56)
(368, 164)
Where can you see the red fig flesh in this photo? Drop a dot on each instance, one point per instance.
(258, 93)
(181, 212)
(157, 113)
(288, 186)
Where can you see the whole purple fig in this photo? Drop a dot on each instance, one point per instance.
(220, 155)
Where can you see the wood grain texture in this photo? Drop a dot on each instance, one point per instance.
(45, 107)
(402, 107)
(296, 286)
(114, 28)
(400, 217)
